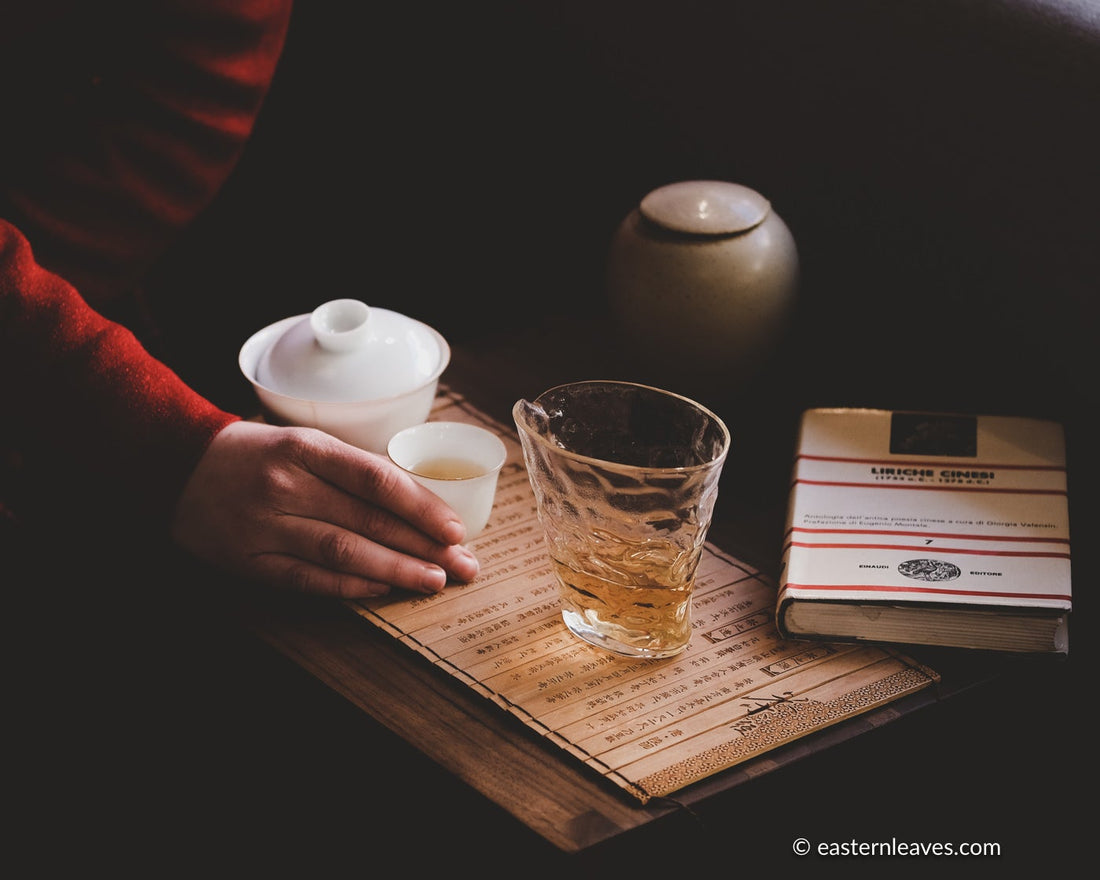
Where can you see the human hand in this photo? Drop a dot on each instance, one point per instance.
(298, 508)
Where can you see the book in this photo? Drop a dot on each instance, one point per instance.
(927, 529)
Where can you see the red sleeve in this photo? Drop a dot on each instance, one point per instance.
(122, 120)
(83, 386)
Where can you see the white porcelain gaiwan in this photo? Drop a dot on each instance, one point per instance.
(358, 372)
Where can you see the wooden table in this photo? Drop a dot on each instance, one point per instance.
(863, 779)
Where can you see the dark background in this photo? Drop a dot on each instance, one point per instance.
(936, 162)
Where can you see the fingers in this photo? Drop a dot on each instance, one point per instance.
(326, 558)
(379, 482)
(298, 508)
(301, 575)
(338, 530)
(344, 565)
(381, 526)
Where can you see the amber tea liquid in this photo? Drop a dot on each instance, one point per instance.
(448, 468)
(648, 617)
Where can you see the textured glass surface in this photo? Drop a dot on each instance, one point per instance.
(625, 477)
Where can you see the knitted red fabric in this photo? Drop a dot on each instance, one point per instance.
(84, 387)
(121, 122)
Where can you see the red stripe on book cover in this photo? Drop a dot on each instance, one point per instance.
(874, 588)
(958, 536)
(936, 488)
(942, 551)
(925, 463)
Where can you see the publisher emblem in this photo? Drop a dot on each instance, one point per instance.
(929, 570)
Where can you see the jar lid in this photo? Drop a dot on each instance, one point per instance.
(705, 207)
(345, 351)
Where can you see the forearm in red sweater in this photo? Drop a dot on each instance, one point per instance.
(74, 382)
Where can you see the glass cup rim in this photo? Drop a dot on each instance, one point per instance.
(610, 465)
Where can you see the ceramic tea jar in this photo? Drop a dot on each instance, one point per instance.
(702, 278)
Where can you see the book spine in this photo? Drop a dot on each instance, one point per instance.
(783, 598)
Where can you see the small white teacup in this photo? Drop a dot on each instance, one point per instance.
(460, 462)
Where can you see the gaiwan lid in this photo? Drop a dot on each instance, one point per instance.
(705, 207)
(345, 351)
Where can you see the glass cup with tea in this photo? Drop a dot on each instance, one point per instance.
(625, 477)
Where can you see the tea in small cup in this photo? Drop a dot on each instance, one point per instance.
(458, 461)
